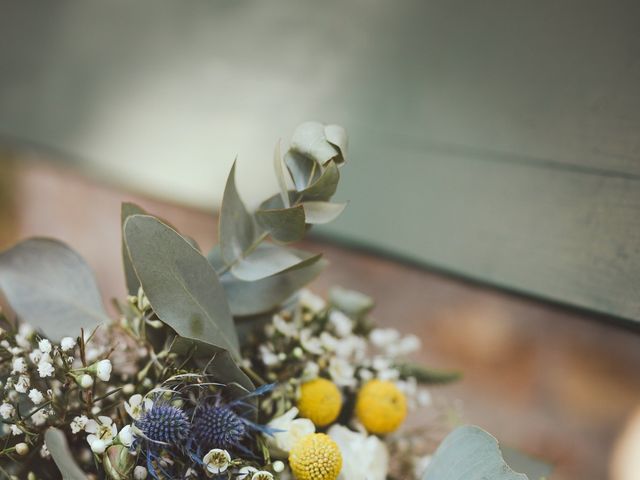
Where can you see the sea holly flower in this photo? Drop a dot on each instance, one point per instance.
(102, 433)
(164, 424)
(217, 461)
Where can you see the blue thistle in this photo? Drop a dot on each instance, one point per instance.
(218, 426)
(165, 424)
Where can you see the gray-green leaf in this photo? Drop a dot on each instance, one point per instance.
(304, 170)
(325, 186)
(267, 260)
(280, 176)
(181, 285)
(322, 212)
(310, 140)
(57, 445)
(284, 224)
(127, 209)
(237, 230)
(337, 136)
(469, 453)
(51, 287)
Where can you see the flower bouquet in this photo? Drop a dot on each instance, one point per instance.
(220, 365)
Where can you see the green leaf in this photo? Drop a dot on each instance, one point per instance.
(57, 445)
(267, 260)
(304, 170)
(51, 287)
(181, 285)
(237, 230)
(534, 468)
(284, 224)
(469, 453)
(428, 375)
(252, 298)
(325, 186)
(310, 140)
(282, 181)
(322, 212)
(126, 210)
(337, 136)
(354, 304)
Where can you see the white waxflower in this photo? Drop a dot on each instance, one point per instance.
(287, 430)
(310, 342)
(278, 466)
(140, 473)
(409, 344)
(22, 448)
(45, 369)
(310, 300)
(310, 372)
(15, 430)
(67, 343)
(364, 457)
(137, 405)
(342, 324)
(6, 410)
(44, 345)
(351, 347)
(245, 473)
(126, 436)
(35, 356)
(262, 475)
(44, 452)
(19, 365)
(384, 337)
(287, 329)
(79, 423)
(103, 370)
(39, 418)
(102, 433)
(36, 396)
(23, 384)
(342, 372)
(217, 461)
(268, 357)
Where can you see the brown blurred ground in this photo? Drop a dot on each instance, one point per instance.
(549, 381)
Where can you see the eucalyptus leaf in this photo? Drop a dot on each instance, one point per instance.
(280, 176)
(126, 210)
(51, 287)
(322, 212)
(353, 303)
(181, 285)
(56, 443)
(284, 224)
(337, 136)
(304, 170)
(532, 467)
(310, 140)
(325, 186)
(237, 229)
(267, 260)
(429, 376)
(469, 453)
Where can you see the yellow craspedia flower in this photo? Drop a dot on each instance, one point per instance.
(381, 407)
(315, 457)
(320, 401)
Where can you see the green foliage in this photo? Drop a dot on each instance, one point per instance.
(51, 287)
(56, 443)
(469, 453)
(179, 282)
(351, 302)
(127, 209)
(428, 375)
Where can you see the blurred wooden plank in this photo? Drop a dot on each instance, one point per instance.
(567, 235)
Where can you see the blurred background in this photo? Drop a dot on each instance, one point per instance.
(493, 174)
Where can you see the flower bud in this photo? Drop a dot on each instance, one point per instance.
(118, 462)
(139, 473)
(22, 448)
(85, 381)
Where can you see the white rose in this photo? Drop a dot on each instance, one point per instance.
(288, 430)
(363, 457)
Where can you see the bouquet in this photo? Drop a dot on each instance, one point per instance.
(220, 365)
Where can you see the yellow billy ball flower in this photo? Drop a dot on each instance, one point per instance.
(315, 457)
(320, 401)
(381, 407)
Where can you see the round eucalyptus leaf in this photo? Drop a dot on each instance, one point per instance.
(310, 140)
(267, 260)
(325, 186)
(284, 224)
(322, 212)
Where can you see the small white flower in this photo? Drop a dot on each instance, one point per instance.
(36, 396)
(16, 350)
(310, 342)
(23, 337)
(409, 344)
(6, 410)
(268, 357)
(44, 452)
(102, 433)
(383, 337)
(310, 300)
(278, 466)
(126, 436)
(139, 473)
(103, 370)
(262, 475)
(86, 381)
(310, 371)
(78, 423)
(67, 343)
(287, 329)
(35, 356)
(245, 473)
(22, 384)
(22, 448)
(363, 457)
(136, 406)
(217, 461)
(15, 430)
(342, 372)
(44, 345)
(19, 365)
(287, 430)
(39, 418)
(342, 324)
(45, 369)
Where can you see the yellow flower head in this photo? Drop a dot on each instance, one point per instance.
(320, 401)
(315, 457)
(381, 407)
